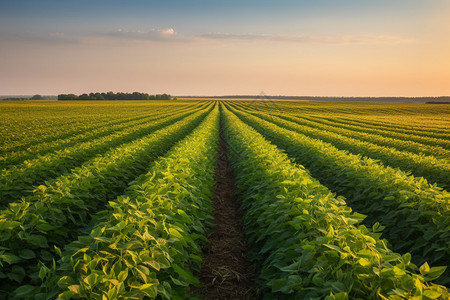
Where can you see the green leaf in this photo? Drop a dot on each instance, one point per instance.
(185, 274)
(119, 226)
(424, 269)
(122, 275)
(330, 232)
(165, 290)
(431, 294)
(65, 281)
(334, 247)
(149, 289)
(364, 262)
(147, 236)
(43, 272)
(45, 227)
(75, 288)
(435, 273)
(38, 240)
(317, 280)
(112, 294)
(341, 296)
(407, 258)
(10, 258)
(154, 264)
(398, 272)
(65, 296)
(91, 280)
(185, 217)
(280, 285)
(58, 251)
(24, 291)
(175, 233)
(42, 188)
(179, 282)
(27, 254)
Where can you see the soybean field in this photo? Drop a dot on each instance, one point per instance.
(208, 199)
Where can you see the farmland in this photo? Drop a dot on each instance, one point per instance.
(116, 200)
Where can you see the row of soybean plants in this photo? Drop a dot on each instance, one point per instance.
(308, 243)
(18, 180)
(62, 209)
(435, 170)
(146, 242)
(401, 122)
(429, 123)
(426, 146)
(100, 129)
(84, 130)
(403, 132)
(27, 124)
(380, 123)
(435, 167)
(350, 123)
(414, 213)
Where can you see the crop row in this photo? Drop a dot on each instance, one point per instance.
(308, 243)
(146, 243)
(28, 125)
(429, 146)
(376, 115)
(433, 169)
(414, 213)
(14, 157)
(19, 180)
(379, 137)
(128, 223)
(417, 134)
(431, 129)
(62, 209)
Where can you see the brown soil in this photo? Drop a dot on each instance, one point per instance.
(226, 270)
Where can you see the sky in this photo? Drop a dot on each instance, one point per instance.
(199, 47)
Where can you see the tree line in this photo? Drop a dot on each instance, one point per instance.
(114, 96)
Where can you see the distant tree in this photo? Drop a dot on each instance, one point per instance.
(99, 96)
(36, 97)
(67, 97)
(115, 96)
(138, 96)
(84, 97)
(110, 96)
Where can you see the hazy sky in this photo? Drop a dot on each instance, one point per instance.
(199, 47)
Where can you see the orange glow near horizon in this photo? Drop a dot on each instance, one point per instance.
(325, 53)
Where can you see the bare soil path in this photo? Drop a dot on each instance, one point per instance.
(226, 270)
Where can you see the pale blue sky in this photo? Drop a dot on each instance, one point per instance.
(226, 47)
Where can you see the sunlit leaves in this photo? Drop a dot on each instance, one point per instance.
(323, 253)
(413, 212)
(147, 242)
(61, 209)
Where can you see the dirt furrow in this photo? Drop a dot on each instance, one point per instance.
(226, 270)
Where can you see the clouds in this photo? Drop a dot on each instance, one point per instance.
(307, 39)
(286, 47)
(170, 35)
(161, 35)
